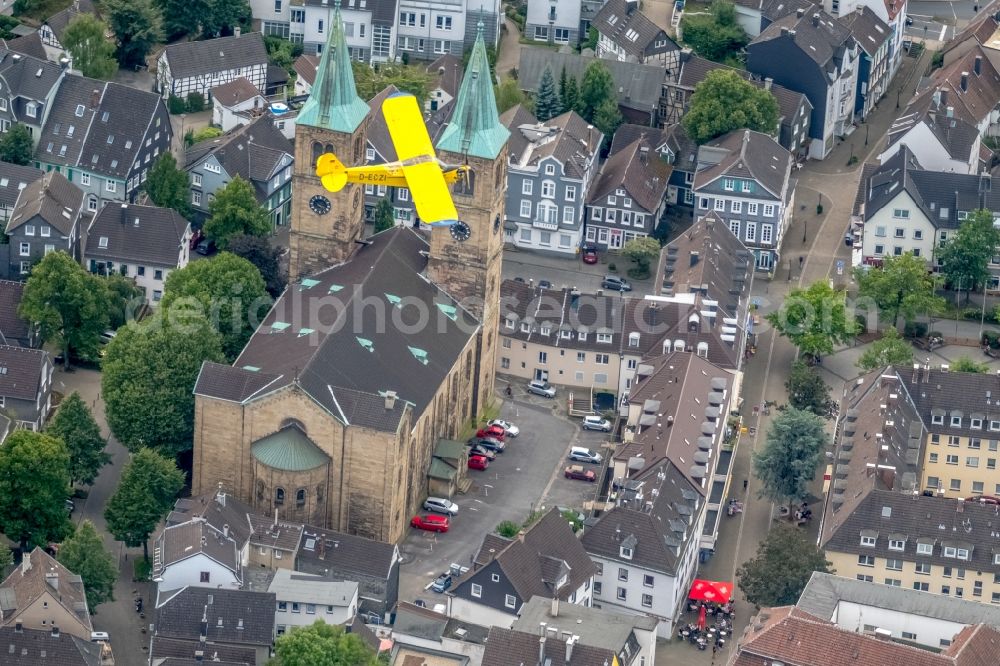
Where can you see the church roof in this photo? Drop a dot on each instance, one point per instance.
(334, 103)
(289, 449)
(475, 128)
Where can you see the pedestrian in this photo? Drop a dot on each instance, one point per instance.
(801, 259)
(715, 648)
(745, 483)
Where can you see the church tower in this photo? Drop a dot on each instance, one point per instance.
(470, 270)
(333, 120)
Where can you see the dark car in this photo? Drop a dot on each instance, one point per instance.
(484, 452)
(615, 283)
(519, 279)
(442, 583)
(544, 284)
(205, 247)
(491, 443)
(589, 255)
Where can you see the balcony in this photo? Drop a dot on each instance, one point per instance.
(548, 220)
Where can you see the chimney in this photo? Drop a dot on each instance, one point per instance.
(26, 564)
(965, 81)
(927, 370)
(520, 536)
(816, 20)
(18, 627)
(960, 507)
(942, 97)
(541, 628)
(644, 154)
(390, 400)
(64, 62)
(220, 496)
(237, 31)
(541, 650)
(55, 631)
(768, 82)
(203, 630)
(569, 648)
(784, 31)
(95, 98)
(199, 656)
(694, 257)
(799, 13)
(978, 66)
(555, 607)
(225, 531)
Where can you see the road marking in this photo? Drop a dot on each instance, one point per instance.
(944, 29)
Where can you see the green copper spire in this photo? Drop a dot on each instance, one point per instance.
(475, 127)
(334, 103)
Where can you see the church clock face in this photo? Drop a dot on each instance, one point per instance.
(320, 205)
(460, 231)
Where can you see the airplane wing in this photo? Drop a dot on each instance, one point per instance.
(415, 152)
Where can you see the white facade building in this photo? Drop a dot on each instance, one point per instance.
(304, 598)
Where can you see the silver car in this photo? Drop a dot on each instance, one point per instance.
(441, 505)
(542, 388)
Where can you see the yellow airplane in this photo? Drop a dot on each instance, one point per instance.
(417, 168)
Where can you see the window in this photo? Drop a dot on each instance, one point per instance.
(734, 227)
(647, 580)
(922, 587)
(158, 274)
(509, 601)
(751, 231)
(933, 457)
(279, 496)
(923, 568)
(720, 205)
(865, 578)
(622, 594)
(925, 548)
(728, 184)
(868, 541)
(85, 179)
(525, 208)
(937, 419)
(204, 576)
(319, 26)
(895, 582)
(894, 564)
(768, 210)
(956, 421)
(597, 588)
(526, 186)
(283, 606)
(110, 185)
(751, 208)
(601, 359)
(25, 249)
(972, 461)
(647, 600)
(570, 193)
(900, 232)
(196, 198)
(543, 357)
(443, 23)
(956, 484)
(31, 109)
(866, 560)
(747, 186)
(897, 544)
(548, 189)
(736, 206)
(580, 356)
(765, 233)
(622, 573)
(505, 362)
(477, 590)
(29, 230)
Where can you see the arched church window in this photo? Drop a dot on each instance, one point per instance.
(328, 148)
(300, 497)
(279, 496)
(317, 151)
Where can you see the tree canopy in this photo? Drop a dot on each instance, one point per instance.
(228, 290)
(814, 319)
(149, 374)
(168, 186)
(16, 145)
(778, 573)
(93, 54)
(182, 17)
(70, 304)
(890, 349)
(790, 456)
(235, 210)
(608, 118)
(125, 300)
(966, 255)
(547, 102)
(84, 554)
(596, 87)
(724, 101)
(145, 495)
(223, 15)
(508, 95)
(321, 644)
(569, 92)
(34, 484)
(642, 251)
(966, 364)
(75, 426)
(407, 78)
(807, 390)
(901, 287)
(138, 26)
(716, 35)
(384, 218)
(266, 257)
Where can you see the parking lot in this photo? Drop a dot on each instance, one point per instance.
(528, 476)
(567, 272)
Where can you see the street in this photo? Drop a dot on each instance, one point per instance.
(569, 272)
(938, 20)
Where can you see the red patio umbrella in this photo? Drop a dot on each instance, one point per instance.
(710, 590)
(701, 617)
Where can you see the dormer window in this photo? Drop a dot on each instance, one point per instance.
(510, 324)
(546, 330)
(996, 558)
(525, 327)
(956, 421)
(625, 552)
(925, 549)
(566, 335)
(581, 335)
(897, 544)
(867, 540)
(550, 169)
(633, 339)
(604, 337)
(977, 424)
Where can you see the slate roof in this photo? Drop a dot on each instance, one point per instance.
(980, 28)
(180, 542)
(823, 43)
(219, 510)
(309, 588)
(964, 394)
(567, 138)
(973, 104)
(868, 29)
(215, 55)
(346, 553)
(672, 138)
(448, 73)
(59, 21)
(30, 44)
(236, 91)
(560, 310)
(51, 198)
(617, 20)
(305, 67)
(505, 647)
(957, 135)
(274, 534)
(11, 323)
(232, 616)
(347, 363)
(137, 234)
(163, 648)
(21, 372)
(603, 628)
(233, 384)
(643, 177)
(13, 179)
(383, 11)
(26, 76)
(23, 587)
(30, 647)
(64, 127)
(412, 620)
(776, 9)
(747, 155)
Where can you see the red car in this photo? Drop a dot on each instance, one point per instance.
(495, 432)
(430, 522)
(578, 472)
(478, 462)
(589, 255)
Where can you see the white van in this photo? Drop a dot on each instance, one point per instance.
(583, 454)
(99, 637)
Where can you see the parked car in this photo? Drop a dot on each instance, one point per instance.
(442, 583)
(441, 505)
(508, 427)
(583, 454)
(431, 522)
(615, 283)
(484, 452)
(70, 507)
(491, 443)
(542, 388)
(205, 247)
(589, 255)
(544, 284)
(519, 279)
(108, 336)
(577, 472)
(596, 423)
(492, 431)
(478, 462)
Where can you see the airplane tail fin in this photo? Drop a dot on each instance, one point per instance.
(331, 171)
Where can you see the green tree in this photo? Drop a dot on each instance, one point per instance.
(547, 102)
(168, 186)
(596, 87)
(93, 54)
(966, 255)
(508, 529)
(235, 210)
(717, 35)
(6, 558)
(223, 15)
(642, 251)
(205, 133)
(608, 118)
(16, 146)
(890, 349)
(84, 554)
(407, 78)
(384, 216)
(145, 495)
(76, 427)
(266, 257)
(34, 484)
(778, 573)
(138, 26)
(226, 288)
(182, 17)
(966, 364)
(807, 390)
(569, 92)
(592, 37)
(509, 95)
(791, 454)
(901, 287)
(321, 644)
(814, 319)
(724, 101)
(7, 25)
(149, 375)
(70, 304)
(283, 52)
(125, 300)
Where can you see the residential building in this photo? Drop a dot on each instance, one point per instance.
(13, 179)
(30, 45)
(304, 598)
(29, 86)
(233, 101)
(46, 218)
(447, 73)
(171, 651)
(373, 565)
(745, 178)
(103, 137)
(675, 147)
(50, 646)
(144, 243)
(981, 30)
(53, 28)
(14, 330)
(794, 108)
(273, 543)
(874, 40)
(407, 654)
(196, 554)
(424, 31)
(638, 88)
(507, 646)
(547, 561)
(43, 595)
(422, 628)
(893, 612)
(216, 619)
(258, 153)
(552, 167)
(816, 55)
(627, 35)
(893, 13)
(26, 385)
(197, 67)
(775, 635)
(554, 22)
(632, 637)
(305, 70)
(629, 197)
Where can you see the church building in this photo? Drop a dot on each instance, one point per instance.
(379, 347)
